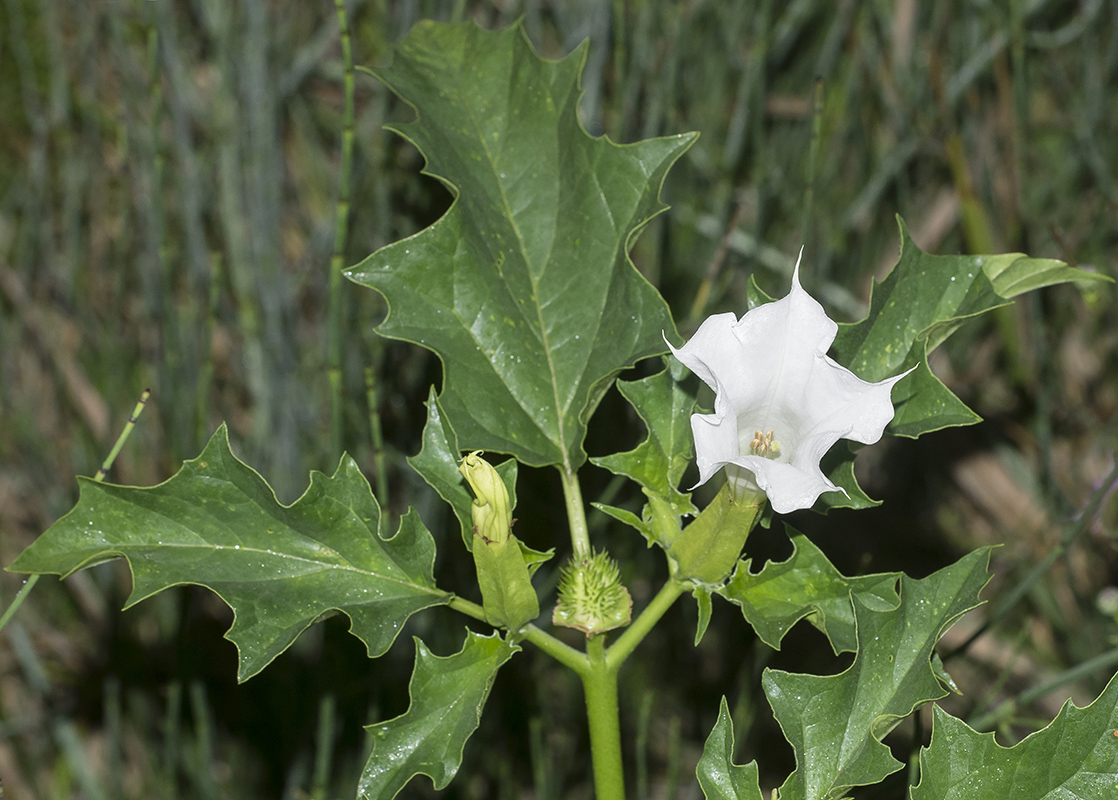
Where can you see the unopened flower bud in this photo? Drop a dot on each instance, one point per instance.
(491, 513)
(502, 570)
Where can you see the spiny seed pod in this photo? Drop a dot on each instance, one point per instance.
(591, 597)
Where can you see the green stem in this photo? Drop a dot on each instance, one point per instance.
(468, 608)
(600, 686)
(106, 465)
(641, 626)
(10, 611)
(563, 653)
(380, 463)
(576, 514)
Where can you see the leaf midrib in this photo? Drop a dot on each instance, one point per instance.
(559, 412)
(347, 566)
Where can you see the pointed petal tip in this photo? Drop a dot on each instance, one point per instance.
(796, 269)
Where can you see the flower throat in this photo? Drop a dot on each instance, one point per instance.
(764, 445)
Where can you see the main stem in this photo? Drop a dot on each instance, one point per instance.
(600, 686)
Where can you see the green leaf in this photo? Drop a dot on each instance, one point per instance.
(719, 777)
(1014, 273)
(1074, 758)
(534, 558)
(755, 296)
(838, 466)
(627, 517)
(923, 405)
(835, 723)
(705, 607)
(918, 305)
(658, 463)
(437, 463)
(218, 524)
(524, 288)
(807, 585)
(447, 698)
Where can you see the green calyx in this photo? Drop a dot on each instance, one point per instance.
(506, 586)
(591, 597)
(706, 551)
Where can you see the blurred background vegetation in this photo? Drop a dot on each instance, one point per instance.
(168, 180)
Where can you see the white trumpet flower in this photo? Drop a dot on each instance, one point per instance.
(780, 401)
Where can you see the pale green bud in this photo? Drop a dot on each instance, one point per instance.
(491, 513)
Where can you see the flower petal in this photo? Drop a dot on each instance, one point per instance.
(716, 438)
(789, 488)
(771, 375)
(711, 353)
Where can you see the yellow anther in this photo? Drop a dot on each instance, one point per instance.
(763, 444)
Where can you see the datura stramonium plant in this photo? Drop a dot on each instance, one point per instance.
(780, 401)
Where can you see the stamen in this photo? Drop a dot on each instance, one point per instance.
(763, 444)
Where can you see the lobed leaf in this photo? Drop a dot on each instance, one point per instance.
(524, 288)
(1074, 758)
(656, 464)
(806, 586)
(917, 306)
(217, 524)
(719, 777)
(1014, 273)
(447, 698)
(838, 465)
(835, 723)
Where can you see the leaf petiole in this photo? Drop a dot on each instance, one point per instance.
(563, 653)
(576, 513)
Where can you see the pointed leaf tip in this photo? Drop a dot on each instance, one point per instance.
(447, 695)
(719, 777)
(524, 288)
(1075, 757)
(217, 524)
